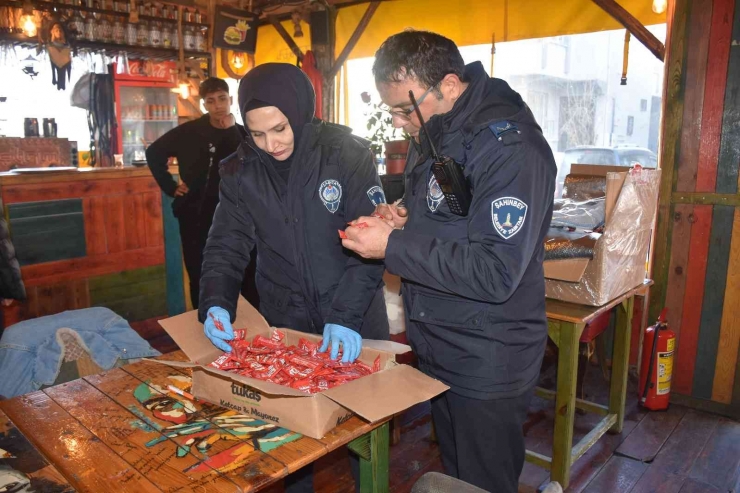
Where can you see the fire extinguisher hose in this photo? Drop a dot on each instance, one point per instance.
(652, 361)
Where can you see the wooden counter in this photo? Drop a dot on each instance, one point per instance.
(94, 237)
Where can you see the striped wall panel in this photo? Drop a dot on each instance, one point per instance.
(701, 263)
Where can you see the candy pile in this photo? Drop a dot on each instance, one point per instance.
(301, 367)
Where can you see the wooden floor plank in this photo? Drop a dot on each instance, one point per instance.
(686, 443)
(135, 441)
(644, 443)
(88, 464)
(619, 475)
(26, 464)
(656, 481)
(694, 486)
(181, 420)
(719, 462)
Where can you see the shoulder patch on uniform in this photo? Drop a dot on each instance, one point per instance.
(376, 195)
(508, 215)
(502, 127)
(330, 192)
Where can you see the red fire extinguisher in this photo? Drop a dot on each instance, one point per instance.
(656, 370)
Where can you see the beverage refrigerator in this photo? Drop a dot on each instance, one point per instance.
(146, 107)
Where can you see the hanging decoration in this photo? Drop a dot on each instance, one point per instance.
(30, 64)
(56, 38)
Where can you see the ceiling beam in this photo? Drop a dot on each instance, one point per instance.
(633, 26)
(286, 37)
(367, 16)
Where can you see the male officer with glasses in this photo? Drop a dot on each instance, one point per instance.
(473, 285)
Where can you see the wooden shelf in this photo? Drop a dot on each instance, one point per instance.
(133, 51)
(55, 6)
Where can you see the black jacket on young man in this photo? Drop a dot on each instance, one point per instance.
(305, 278)
(473, 287)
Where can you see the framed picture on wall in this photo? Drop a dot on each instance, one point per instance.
(235, 29)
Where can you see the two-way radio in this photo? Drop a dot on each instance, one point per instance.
(448, 173)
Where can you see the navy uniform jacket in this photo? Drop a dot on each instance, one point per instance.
(473, 287)
(304, 276)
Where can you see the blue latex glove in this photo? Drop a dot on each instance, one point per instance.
(218, 337)
(350, 340)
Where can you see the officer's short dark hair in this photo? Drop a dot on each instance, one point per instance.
(423, 55)
(211, 85)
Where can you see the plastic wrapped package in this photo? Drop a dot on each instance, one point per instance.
(579, 187)
(620, 254)
(560, 244)
(588, 215)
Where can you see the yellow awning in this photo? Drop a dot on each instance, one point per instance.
(467, 22)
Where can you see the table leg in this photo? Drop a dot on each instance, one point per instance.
(374, 452)
(565, 401)
(620, 362)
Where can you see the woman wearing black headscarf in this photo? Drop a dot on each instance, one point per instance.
(291, 185)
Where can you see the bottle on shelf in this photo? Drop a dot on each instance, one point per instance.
(189, 38)
(78, 25)
(131, 33)
(155, 34)
(90, 27)
(119, 32)
(197, 17)
(200, 40)
(166, 36)
(142, 34)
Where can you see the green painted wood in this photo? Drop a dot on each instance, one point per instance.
(699, 198)
(565, 402)
(34, 209)
(730, 411)
(620, 362)
(729, 150)
(135, 295)
(714, 298)
(47, 231)
(539, 460)
(590, 439)
(584, 405)
(173, 259)
(374, 452)
(675, 85)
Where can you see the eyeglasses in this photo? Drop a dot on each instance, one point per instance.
(404, 114)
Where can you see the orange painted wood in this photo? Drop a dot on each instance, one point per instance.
(138, 217)
(729, 337)
(115, 226)
(685, 362)
(80, 268)
(154, 226)
(88, 464)
(76, 189)
(131, 439)
(25, 459)
(700, 22)
(47, 300)
(93, 210)
(714, 94)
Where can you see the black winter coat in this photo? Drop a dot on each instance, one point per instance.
(474, 289)
(11, 283)
(304, 276)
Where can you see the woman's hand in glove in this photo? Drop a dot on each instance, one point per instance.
(350, 340)
(218, 328)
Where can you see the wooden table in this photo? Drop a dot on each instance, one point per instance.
(565, 323)
(122, 430)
